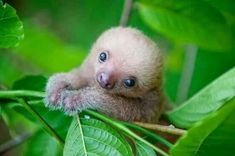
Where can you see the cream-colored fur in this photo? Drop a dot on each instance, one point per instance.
(131, 53)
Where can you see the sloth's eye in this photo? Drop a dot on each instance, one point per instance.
(103, 56)
(128, 83)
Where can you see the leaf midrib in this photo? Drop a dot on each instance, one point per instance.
(82, 136)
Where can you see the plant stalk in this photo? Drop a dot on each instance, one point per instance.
(20, 93)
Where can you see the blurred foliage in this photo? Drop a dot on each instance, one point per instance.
(42, 138)
(184, 23)
(69, 31)
(48, 52)
(63, 32)
(59, 34)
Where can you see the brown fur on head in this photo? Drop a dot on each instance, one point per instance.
(130, 54)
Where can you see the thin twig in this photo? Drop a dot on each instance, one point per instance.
(126, 12)
(14, 142)
(162, 128)
(186, 77)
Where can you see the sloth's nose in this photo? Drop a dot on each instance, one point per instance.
(105, 80)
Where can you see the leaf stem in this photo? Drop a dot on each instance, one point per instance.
(162, 128)
(125, 129)
(82, 135)
(153, 135)
(40, 118)
(21, 93)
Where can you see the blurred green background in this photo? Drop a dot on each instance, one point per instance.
(196, 37)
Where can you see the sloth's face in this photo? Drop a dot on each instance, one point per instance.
(126, 62)
(112, 78)
(107, 79)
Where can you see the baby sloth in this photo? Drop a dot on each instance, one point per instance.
(121, 77)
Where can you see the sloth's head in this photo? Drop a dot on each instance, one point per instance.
(126, 62)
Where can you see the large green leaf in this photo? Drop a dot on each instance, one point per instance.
(42, 144)
(188, 22)
(212, 136)
(93, 137)
(11, 28)
(144, 150)
(208, 100)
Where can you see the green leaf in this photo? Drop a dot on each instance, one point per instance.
(42, 144)
(208, 100)
(93, 137)
(188, 22)
(143, 150)
(11, 28)
(212, 136)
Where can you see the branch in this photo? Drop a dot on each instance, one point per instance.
(14, 142)
(126, 12)
(162, 128)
